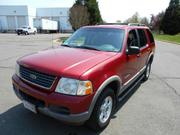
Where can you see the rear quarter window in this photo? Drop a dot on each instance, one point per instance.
(151, 38)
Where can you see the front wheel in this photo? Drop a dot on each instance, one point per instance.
(25, 33)
(102, 112)
(147, 72)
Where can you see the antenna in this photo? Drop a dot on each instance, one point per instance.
(51, 26)
(52, 41)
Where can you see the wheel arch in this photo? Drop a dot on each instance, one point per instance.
(113, 81)
(150, 58)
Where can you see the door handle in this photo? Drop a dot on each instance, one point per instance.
(138, 55)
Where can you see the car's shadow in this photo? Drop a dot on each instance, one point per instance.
(19, 121)
(122, 102)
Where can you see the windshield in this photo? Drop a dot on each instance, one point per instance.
(102, 39)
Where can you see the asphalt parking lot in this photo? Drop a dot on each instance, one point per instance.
(153, 108)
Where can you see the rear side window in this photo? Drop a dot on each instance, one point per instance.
(150, 36)
(142, 37)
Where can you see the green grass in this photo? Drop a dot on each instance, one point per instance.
(168, 38)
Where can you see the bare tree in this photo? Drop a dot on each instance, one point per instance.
(145, 21)
(79, 16)
(134, 19)
(118, 21)
(156, 21)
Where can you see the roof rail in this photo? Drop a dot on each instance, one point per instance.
(113, 24)
(136, 24)
(129, 24)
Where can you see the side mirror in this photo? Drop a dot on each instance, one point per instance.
(133, 50)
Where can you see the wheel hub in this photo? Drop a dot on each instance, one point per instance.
(148, 71)
(105, 109)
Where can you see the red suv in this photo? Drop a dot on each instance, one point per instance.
(83, 79)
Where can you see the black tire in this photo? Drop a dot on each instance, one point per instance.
(147, 71)
(94, 122)
(25, 33)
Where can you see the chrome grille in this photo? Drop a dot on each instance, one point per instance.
(36, 78)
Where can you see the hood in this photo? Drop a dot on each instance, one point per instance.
(64, 61)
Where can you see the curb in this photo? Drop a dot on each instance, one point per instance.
(176, 43)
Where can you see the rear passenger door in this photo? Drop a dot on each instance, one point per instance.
(144, 47)
(132, 61)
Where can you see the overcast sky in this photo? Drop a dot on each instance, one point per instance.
(111, 10)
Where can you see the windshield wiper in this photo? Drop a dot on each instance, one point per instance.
(87, 47)
(66, 45)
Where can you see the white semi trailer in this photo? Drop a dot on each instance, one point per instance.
(45, 25)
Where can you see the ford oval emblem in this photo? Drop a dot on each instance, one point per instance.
(33, 76)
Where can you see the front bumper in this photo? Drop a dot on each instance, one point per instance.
(78, 106)
(20, 31)
(72, 118)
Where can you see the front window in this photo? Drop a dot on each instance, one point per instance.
(132, 39)
(102, 39)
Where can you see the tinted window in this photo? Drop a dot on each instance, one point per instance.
(132, 38)
(104, 39)
(142, 37)
(150, 36)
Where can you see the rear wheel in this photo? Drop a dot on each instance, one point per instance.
(26, 33)
(147, 72)
(102, 112)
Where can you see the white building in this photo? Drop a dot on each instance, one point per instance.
(56, 14)
(12, 17)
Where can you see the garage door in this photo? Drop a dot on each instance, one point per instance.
(11, 22)
(21, 21)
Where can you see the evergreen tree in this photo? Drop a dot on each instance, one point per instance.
(80, 2)
(171, 21)
(93, 8)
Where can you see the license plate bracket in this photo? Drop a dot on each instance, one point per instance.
(29, 106)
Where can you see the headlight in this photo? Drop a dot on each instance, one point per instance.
(74, 87)
(17, 69)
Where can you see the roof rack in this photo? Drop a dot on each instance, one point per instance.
(113, 24)
(136, 24)
(129, 24)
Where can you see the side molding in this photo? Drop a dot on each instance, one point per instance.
(101, 88)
